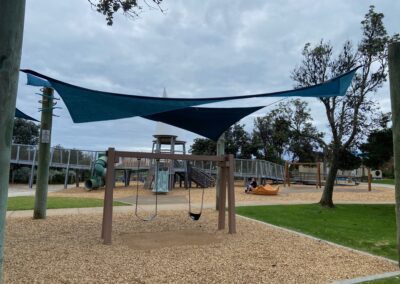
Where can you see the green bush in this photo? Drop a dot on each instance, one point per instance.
(21, 175)
(58, 176)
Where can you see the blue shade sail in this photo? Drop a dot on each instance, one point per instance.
(36, 81)
(20, 114)
(86, 105)
(208, 122)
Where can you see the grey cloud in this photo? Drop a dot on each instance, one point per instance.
(195, 49)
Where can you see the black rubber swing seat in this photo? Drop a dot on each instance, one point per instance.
(195, 216)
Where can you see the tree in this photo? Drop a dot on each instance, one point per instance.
(304, 138)
(130, 8)
(352, 116)
(348, 160)
(237, 142)
(378, 149)
(272, 131)
(203, 146)
(288, 130)
(25, 132)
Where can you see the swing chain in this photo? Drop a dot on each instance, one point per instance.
(137, 196)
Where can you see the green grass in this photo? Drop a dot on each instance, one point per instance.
(27, 203)
(384, 181)
(389, 280)
(370, 228)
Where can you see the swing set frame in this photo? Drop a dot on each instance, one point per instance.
(225, 162)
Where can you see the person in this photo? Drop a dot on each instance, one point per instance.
(251, 184)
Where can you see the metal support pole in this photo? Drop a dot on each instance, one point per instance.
(394, 78)
(18, 149)
(32, 176)
(39, 211)
(220, 152)
(67, 170)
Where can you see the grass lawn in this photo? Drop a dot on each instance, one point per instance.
(384, 181)
(389, 280)
(27, 202)
(370, 228)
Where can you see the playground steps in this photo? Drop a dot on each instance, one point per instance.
(199, 177)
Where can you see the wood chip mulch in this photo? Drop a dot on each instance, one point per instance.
(68, 249)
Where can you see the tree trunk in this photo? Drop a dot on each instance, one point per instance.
(327, 195)
(11, 32)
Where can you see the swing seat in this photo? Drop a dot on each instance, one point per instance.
(195, 216)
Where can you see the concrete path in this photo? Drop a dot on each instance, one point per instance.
(24, 190)
(150, 200)
(383, 185)
(99, 210)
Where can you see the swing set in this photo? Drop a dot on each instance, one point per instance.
(226, 184)
(157, 183)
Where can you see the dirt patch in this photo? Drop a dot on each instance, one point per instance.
(157, 240)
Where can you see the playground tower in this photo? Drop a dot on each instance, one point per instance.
(166, 172)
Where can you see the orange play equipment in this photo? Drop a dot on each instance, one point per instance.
(265, 190)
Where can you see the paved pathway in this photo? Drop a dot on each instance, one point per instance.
(24, 190)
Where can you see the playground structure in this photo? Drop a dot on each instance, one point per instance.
(174, 170)
(226, 186)
(315, 174)
(305, 177)
(84, 160)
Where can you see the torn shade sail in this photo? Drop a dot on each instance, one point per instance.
(85, 105)
(20, 114)
(208, 122)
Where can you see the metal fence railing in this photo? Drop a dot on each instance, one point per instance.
(75, 159)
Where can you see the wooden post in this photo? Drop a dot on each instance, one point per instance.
(394, 78)
(318, 181)
(287, 174)
(108, 198)
(11, 32)
(220, 152)
(44, 158)
(222, 195)
(369, 179)
(125, 177)
(231, 195)
(285, 177)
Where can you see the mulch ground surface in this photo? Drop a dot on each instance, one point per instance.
(172, 249)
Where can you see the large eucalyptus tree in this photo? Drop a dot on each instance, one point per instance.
(350, 117)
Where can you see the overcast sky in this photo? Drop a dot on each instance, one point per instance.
(193, 49)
